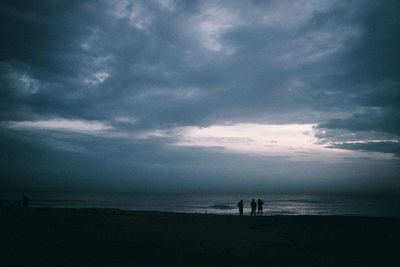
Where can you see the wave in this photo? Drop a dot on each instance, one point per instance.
(221, 207)
(300, 201)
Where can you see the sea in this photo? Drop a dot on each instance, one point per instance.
(211, 203)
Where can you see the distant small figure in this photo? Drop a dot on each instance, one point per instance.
(25, 201)
(260, 204)
(240, 205)
(253, 205)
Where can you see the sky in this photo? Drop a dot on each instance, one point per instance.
(200, 96)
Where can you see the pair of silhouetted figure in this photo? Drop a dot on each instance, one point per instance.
(253, 205)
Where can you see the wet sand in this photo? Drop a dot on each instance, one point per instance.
(104, 237)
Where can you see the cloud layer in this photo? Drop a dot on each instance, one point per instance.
(119, 79)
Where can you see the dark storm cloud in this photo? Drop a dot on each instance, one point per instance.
(387, 121)
(64, 46)
(388, 147)
(140, 66)
(371, 86)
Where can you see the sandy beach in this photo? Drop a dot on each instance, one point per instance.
(107, 237)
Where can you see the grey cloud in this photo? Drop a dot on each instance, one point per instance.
(387, 147)
(175, 63)
(164, 58)
(387, 121)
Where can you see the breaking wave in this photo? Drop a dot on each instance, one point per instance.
(221, 207)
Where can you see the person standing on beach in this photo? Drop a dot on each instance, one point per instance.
(240, 205)
(253, 205)
(260, 204)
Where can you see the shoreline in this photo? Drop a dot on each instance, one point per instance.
(113, 237)
(132, 212)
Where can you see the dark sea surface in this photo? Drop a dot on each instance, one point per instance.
(274, 204)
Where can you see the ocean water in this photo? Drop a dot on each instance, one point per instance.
(274, 204)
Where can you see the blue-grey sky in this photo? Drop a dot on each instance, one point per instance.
(193, 96)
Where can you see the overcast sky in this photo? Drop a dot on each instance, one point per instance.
(195, 96)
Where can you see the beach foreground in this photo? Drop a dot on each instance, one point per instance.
(104, 237)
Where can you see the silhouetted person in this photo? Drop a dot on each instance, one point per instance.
(240, 205)
(253, 205)
(260, 204)
(25, 201)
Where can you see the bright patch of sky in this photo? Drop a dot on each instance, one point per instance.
(78, 126)
(295, 141)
